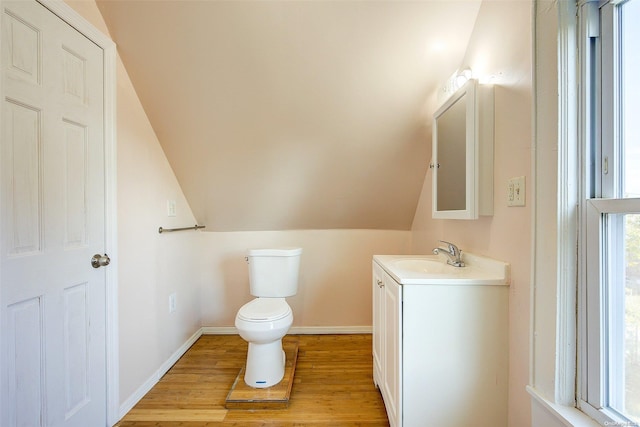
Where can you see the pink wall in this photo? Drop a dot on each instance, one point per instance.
(500, 46)
(335, 273)
(150, 266)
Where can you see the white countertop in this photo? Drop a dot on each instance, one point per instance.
(478, 270)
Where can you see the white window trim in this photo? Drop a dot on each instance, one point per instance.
(597, 116)
(563, 406)
(567, 415)
(568, 386)
(568, 213)
(589, 27)
(565, 219)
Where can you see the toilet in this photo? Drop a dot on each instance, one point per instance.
(264, 321)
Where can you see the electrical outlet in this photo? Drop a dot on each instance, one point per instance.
(172, 302)
(516, 191)
(171, 208)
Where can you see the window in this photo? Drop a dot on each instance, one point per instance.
(610, 239)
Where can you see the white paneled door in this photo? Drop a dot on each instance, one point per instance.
(52, 300)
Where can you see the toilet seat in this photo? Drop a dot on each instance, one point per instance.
(264, 310)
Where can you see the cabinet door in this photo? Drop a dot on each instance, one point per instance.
(392, 361)
(378, 328)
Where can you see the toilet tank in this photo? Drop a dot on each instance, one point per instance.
(273, 273)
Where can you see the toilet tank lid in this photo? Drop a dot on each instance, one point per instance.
(275, 252)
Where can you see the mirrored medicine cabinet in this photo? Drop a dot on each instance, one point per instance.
(462, 158)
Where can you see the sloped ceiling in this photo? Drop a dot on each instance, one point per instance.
(279, 115)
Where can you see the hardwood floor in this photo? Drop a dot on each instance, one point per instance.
(333, 386)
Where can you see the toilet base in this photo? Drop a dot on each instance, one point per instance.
(241, 396)
(265, 364)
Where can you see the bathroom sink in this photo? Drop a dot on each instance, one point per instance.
(434, 270)
(422, 265)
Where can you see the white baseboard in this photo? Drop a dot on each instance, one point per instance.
(329, 330)
(155, 377)
(295, 330)
(219, 330)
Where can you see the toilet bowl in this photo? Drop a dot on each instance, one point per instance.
(264, 321)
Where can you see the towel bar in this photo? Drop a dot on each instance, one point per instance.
(166, 230)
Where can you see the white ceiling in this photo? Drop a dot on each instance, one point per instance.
(280, 115)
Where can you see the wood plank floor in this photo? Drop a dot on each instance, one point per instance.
(333, 386)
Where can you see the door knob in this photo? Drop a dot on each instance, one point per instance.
(98, 260)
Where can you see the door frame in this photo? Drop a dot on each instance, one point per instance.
(75, 20)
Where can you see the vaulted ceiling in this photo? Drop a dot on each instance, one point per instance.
(279, 115)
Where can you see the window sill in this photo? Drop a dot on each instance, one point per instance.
(566, 415)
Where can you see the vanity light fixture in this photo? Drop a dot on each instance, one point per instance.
(462, 77)
(455, 82)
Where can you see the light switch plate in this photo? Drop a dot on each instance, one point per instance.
(171, 208)
(516, 191)
(172, 302)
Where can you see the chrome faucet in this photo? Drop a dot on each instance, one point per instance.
(453, 254)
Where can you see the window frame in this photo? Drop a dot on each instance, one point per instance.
(600, 196)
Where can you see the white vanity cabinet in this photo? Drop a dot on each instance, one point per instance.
(387, 348)
(440, 352)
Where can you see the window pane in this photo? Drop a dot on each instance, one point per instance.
(624, 315)
(630, 94)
